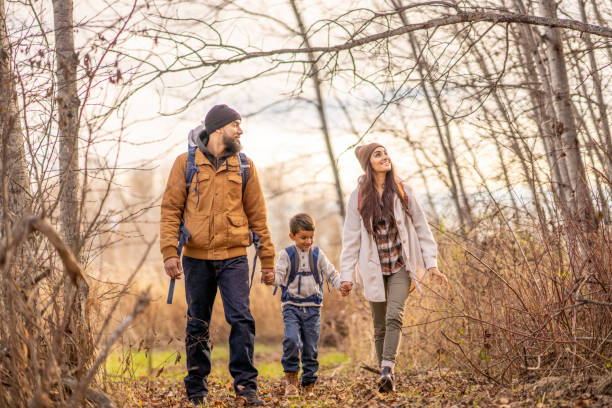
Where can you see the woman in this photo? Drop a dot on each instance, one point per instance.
(387, 236)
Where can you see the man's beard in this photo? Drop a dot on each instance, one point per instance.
(232, 146)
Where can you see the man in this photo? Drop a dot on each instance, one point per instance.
(217, 213)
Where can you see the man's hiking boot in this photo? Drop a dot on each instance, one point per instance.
(291, 384)
(386, 383)
(252, 398)
(308, 390)
(198, 401)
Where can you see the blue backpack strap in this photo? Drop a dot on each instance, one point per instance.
(319, 275)
(292, 262)
(245, 169)
(254, 238)
(313, 258)
(244, 172)
(190, 170)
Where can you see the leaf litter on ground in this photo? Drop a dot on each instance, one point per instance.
(355, 387)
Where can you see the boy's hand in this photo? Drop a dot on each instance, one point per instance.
(435, 273)
(345, 288)
(173, 267)
(267, 276)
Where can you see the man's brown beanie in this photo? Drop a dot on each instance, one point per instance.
(364, 152)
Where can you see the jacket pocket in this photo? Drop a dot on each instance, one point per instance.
(199, 228)
(237, 231)
(234, 187)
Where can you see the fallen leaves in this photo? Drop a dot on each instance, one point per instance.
(353, 387)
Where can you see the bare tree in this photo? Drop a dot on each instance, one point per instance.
(313, 74)
(565, 125)
(68, 124)
(15, 194)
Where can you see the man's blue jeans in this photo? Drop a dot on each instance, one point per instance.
(302, 330)
(202, 277)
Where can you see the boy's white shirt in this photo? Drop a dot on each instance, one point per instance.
(308, 286)
(359, 248)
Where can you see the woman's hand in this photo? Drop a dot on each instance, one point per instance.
(436, 274)
(345, 288)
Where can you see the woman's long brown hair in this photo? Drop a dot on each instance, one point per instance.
(370, 202)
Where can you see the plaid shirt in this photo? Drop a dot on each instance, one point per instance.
(389, 245)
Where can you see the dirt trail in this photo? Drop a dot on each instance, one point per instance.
(347, 386)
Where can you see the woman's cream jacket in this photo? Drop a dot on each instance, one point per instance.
(359, 261)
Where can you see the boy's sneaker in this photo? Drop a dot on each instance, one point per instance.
(308, 390)
(386, 383)
(291, 384)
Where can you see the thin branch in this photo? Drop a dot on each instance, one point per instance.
(463, 17)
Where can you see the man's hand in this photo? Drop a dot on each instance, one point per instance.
(439, 276)
(267, 276)
(345, 288)
(173, 268)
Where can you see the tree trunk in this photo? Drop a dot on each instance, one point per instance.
(314, 75)
(458, 194)
(68, 110)
(15, 201)
(580, 200)
(542, 99)
(513, 136)
(604, 122)
(68, 102)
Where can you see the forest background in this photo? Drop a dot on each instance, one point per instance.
(496, 113)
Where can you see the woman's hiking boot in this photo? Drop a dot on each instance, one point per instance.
(291, 384)
(386, 383)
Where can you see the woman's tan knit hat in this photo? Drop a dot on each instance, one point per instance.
(364, 152)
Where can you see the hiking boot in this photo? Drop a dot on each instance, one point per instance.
(291, 384)
(308, 390)
(386, 383)
(198, 401)
(252, 398)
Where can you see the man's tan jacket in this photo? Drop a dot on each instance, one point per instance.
(217, 215)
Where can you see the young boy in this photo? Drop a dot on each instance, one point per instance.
(300, 272)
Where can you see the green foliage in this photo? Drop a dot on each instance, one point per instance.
(171, 363)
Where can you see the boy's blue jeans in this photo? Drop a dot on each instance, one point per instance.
(302, 330)
(231, 276)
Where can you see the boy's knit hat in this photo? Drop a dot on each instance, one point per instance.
(364, 152)
(219, 116)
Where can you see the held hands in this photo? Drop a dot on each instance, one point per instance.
(173, 268)
(267, 276)
(437, 275)
(345, 288)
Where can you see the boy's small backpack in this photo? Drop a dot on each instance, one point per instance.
(313, 258)
(190, 170)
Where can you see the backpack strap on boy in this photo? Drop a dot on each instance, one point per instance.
(313, 258)
(291, 252)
